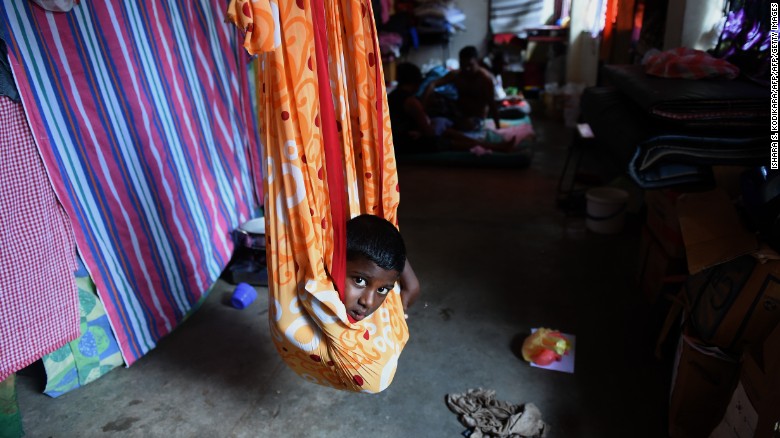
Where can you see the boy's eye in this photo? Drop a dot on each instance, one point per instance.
(383, 291)
(360, 281)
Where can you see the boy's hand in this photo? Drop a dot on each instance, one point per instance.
(410, 286)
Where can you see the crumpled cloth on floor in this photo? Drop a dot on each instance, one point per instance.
(478, 410)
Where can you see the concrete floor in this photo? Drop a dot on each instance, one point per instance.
(495, 258)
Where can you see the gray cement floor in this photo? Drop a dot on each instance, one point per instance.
(495, 258)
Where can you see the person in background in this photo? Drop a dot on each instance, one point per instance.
(415, 132)
(476, 92)
(412, 129)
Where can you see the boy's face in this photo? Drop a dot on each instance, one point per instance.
(367, 287)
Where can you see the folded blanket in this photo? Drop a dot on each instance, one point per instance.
(674, 160)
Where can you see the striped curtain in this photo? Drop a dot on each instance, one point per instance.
(141, 114)
(513, 16)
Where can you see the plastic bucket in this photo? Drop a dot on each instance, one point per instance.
(606, 209)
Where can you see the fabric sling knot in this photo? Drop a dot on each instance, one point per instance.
(329, 157)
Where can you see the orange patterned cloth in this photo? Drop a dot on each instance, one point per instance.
(309, 323)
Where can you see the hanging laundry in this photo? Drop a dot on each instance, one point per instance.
(139, 110)
(89, 357)
(39, 309)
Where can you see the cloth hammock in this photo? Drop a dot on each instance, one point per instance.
(328, 156)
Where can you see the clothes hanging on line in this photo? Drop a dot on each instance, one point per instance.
(140, 114)
(39, 309)
(89, 357)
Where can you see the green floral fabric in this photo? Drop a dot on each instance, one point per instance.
(92, 355)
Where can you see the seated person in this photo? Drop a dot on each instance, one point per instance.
(415, 132)
(476, 92)
(412, 129)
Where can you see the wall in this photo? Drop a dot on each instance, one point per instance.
(689, 23)
(476, 35)
(693, 23)
(583, 52)
(582, 58)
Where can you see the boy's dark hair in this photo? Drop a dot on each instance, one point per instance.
(375, 239)
(408, 73)
(467, 53)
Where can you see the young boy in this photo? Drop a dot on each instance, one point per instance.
(351, 340)
(376, 259)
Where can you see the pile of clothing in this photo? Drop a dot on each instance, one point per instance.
(439, 17)
(485, 416)
(415, 23)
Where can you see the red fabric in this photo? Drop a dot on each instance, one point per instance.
(503, 38)
(686, 63)
(39, 309)
(334, 160)
(380, 142)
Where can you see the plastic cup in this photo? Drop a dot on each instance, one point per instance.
(243, 296)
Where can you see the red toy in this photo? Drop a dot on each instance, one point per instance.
(545, 346)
